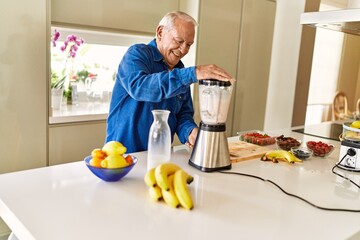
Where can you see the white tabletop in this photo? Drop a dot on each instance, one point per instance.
(69, 202)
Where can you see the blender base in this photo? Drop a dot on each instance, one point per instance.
(211, 150)
(205, 169)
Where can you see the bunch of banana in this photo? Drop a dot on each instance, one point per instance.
(280, 155)
(169, 182)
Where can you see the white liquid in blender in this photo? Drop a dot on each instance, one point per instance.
(214, 105)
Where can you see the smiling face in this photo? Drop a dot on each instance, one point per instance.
(175, 43)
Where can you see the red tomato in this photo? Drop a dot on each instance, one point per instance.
(319, 148)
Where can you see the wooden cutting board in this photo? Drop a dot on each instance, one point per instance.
(241, 151)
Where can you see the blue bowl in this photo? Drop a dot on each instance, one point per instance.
(110, 174)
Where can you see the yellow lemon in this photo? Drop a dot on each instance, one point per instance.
(114, 162)
(355, 124)
(114, 148)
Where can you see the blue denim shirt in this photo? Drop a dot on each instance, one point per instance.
(144, 83)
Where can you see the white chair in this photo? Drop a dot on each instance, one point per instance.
(340, 106)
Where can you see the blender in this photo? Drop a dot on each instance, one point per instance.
(211, 151)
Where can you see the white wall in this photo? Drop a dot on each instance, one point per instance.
(253, 66)
(284, 63)
(218, 40)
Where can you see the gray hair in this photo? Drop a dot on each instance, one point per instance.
(168, 20)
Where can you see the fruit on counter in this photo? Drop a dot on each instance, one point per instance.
(155, 193)
(129, 159)
(280, 155)
(110, 156)
(302, 153)
(286, 143)
(181, 178)
(174, 180)
(355, 124)
(114, 161)
(162, 173)
(149, 178)
(114, 148)
(170, 197)
(98, 153)
(97, 156)
(319, 148)
(257, 138)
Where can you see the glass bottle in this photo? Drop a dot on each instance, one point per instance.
(159, 143)
(74, 93)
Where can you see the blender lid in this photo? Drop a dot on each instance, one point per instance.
(214, 82)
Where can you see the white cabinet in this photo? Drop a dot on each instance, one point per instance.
(23, 84)
(346, 20)
(72, 142)
(134, 15)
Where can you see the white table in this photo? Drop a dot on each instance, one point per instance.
(68, 202)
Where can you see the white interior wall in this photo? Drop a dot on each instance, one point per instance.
(284, 63)
(253, 64)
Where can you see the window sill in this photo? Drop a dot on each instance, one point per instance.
(82, 112)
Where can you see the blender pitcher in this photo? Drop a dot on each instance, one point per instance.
(214, 99)
(211, 150)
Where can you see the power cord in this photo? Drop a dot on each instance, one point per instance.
(296, 196)
(351, 152)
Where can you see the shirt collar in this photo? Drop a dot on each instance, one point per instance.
(157, 55)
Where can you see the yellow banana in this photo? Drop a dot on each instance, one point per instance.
(149, 178)
(162, 172)
(170, 196)
(280, 155)
(155, 193)
(181, 189)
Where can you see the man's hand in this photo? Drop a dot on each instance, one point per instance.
(212, 71)
(192, 138)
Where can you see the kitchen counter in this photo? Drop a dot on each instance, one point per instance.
(68, 202)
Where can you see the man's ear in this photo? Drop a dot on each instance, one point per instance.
(159, 32)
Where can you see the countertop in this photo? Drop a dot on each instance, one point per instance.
(68, 202)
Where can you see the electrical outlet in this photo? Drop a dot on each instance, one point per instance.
(350, 162)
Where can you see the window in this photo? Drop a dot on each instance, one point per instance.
(92, 72)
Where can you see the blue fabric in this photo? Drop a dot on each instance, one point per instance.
(144, 83)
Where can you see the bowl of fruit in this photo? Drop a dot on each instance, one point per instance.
(320, 149)
(286, 143)
(351, 131)
(256, 137)
(110, 163)
(302, 153)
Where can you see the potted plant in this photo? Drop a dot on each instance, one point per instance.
(66, 82)
(57, 90)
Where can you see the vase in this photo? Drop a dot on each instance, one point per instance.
(159, 142)
(56, 98)
(72, 94)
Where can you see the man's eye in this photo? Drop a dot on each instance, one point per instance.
(179, 41)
